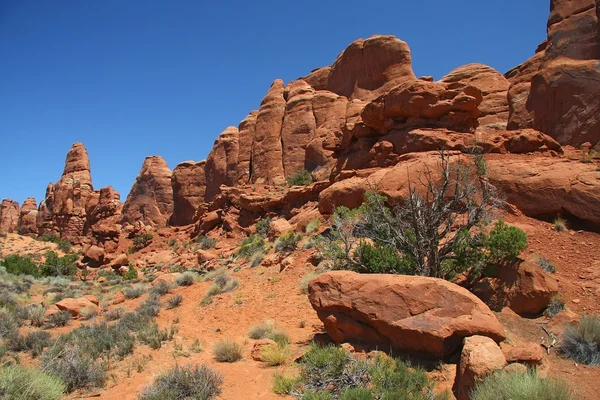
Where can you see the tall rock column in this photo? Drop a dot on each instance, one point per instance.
(27, 217)
(189, 187)
(222, 162)
(9, 216)
(151, 197)
(247, 129)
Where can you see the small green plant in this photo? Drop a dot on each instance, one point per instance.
(174, 301)
(227, 351)
(560, 224)
(581, 341)
(23, 383)
(141, 241)
(514, 386)
(275, 354)
(49, 237)
(61, 318)
(131, 274)
(193, 382)
(161, 288)
(64, 246)
(59, 266)
(152, 336)
(287, 242)
(546, 265)
(505, 243)
(187, 278)
(555, 306)
(133, 292)
(206, 243)
(268, 330)
(20, 265)
(300, 178)
(285, 386)
(37, 314)
(263, 226)
(251, 245)
(114, 314)
(222, 284)
(313, 226)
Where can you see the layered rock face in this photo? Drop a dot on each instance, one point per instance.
(63, 211)
(103, 219)
(150, 200)
(28, 217)
(556, 91)
(9, 216)
(222, 162)
(189, 186)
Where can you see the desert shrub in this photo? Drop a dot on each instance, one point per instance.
(546, 265)
(516, 386)
(227, 351)
(313, 226)
(206, 243)
(18, 382)
(37, 314)
(134, 321)
(174, 301)
(379, 259)
(284, 385)
(64, 246)
(257, 259)
(275, 354)
(581, 341)
(20, 265)
(560, 224)
(222, 284)
(300, 178)
(59, 266)
(74, 367)
(141, 241)
(114, 314)
(133, 292)
(152, 336)
(268, 330)
(49, 237)
(131, 274)
(8, 324)
(88, 313)
(186, 279)
(263, 226)
(34, 341)
(505, 243)
(150, 307)
(191, 382)
(251, 245)
(555, 306)
(61, 318)
(287, 242)
(161, 288)
(331, 372)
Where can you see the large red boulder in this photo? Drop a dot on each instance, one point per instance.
(151, 197)
(409, 313)
(28, 217)
(75, 306)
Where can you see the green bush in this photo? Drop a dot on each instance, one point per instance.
(206, 243)
(515, 386)
(268, 330)
(64, 246)
(287, 242)
(140, 241)
(251, 245)
(187, 278)
(301, 178)
(313, 226)
(379, 259)
(22, 383)
(131, 274)
(263, 226)
(505, 243)
(21, 265)
(581, 342)
(227, 351)
(61, 318)
(59, 266)
(49, 237)
(191, 382)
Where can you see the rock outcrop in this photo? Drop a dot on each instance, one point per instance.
(189, 187)
(28, 217)
(9, 216)
(222, 163)
(63, 211)
(104, 218)
(409, 313)
(556, 91)
(151, 197)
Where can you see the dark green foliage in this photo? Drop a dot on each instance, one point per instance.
(49, 237)
(287, 242)
(301, 178)
(505, 243)
(140, 241)
(581, 342)
(21, 265)
(59, 266)
(131, 274)
(251, 245)
(263, 227)
(24, 383)
(377, 259)
(192, 382)
(34, 341)
(206, 243)
(64, 246)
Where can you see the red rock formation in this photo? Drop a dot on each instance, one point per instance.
(247, 129)
(189, 186)
(63, 211)
(480, 357)
(9, 216)
(222, 162)
(103, 219)
(28, 217)
(410, 313)
(493, 86)
(151, 197)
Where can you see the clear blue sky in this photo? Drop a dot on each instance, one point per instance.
(131, 78)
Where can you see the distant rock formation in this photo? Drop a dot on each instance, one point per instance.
(189, 186)
(9, 216)
(28, 217)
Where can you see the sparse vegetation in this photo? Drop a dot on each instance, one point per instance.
(263, 226)
(114, 314)
(313, 226)
(73, 366)
(140, 241)
(18, 382)
(253, 244)
(257, 259)
(133, 292)
(287, 242)
(206, 243)
(581, 341)
(187, 278)
(131, 274)
(275, 354)
(222, 284)
(191, 382)
(227, 351)
(268, 330)
(560, 224)
(284, 385)
(174, 301)
(300, 178)
(546, 265)
(88, 313)
(555, 306)
(161, 288)
(516, 386)
(61, 318)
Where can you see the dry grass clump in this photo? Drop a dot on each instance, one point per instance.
(560, 224)
(193, 382)
(268, 330)
(227, 351)
(581, 341)
(516, 386)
